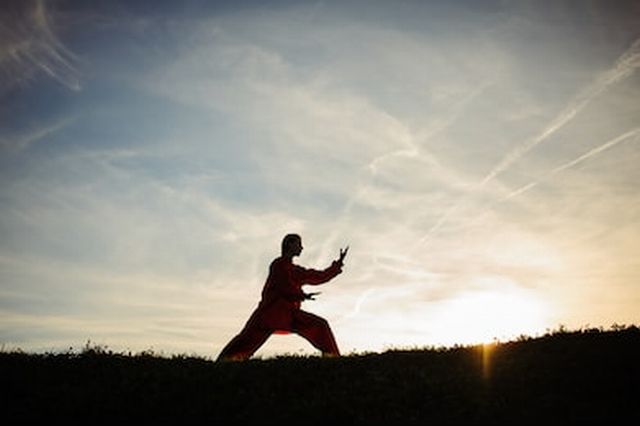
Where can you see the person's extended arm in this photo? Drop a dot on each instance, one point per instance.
(315, 277)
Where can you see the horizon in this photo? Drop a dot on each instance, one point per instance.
(90, 347)
(479, 160)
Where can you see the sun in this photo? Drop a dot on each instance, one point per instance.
(484, 315)
(491, 308)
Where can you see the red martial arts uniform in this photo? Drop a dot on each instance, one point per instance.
(279, 311)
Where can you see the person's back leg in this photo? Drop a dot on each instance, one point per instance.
(244, 344)
(317, 331)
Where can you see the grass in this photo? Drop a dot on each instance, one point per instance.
(563, 377)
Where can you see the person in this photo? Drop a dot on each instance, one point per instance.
(279, 308)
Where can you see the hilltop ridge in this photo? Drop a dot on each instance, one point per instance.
(563, 377)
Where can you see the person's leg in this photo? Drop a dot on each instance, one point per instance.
(317, 331)
(245, 344)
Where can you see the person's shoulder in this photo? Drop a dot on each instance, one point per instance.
(279, 261)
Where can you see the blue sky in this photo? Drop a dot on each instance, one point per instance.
(480, 158)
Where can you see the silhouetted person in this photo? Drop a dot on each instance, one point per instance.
(279, 310)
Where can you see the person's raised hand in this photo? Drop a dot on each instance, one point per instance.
(343, 253)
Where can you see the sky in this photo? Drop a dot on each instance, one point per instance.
(480, 158)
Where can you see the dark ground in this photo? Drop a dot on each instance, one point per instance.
(579, 377)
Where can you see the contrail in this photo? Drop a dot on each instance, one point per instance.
(414, 150)
(436, 227)
(439, 125)
(598, 150)
(356, 308)
(624, 66)
(22, 142)
(607, 145)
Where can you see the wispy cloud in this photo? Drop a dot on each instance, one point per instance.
(630, 135)
(207, 134)
(19, 142)
(625, 66)
(29, 45)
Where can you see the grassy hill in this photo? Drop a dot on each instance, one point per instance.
(564, 377)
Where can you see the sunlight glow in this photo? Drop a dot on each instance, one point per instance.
(489, 309)
(485, 315)
(486, 352)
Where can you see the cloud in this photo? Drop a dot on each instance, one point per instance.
(206, 139)
(309, 140)
(30, 46)
(624, 66)
(630, 135)
(20, 142)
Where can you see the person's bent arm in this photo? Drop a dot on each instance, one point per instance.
(316, 277)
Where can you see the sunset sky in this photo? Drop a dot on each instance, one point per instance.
(480, 158)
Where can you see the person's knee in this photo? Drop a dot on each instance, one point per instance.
(313, 327)
(323, 323)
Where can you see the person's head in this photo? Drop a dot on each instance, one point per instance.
(291, 245)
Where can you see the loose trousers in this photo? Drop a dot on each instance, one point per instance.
(312, 327)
